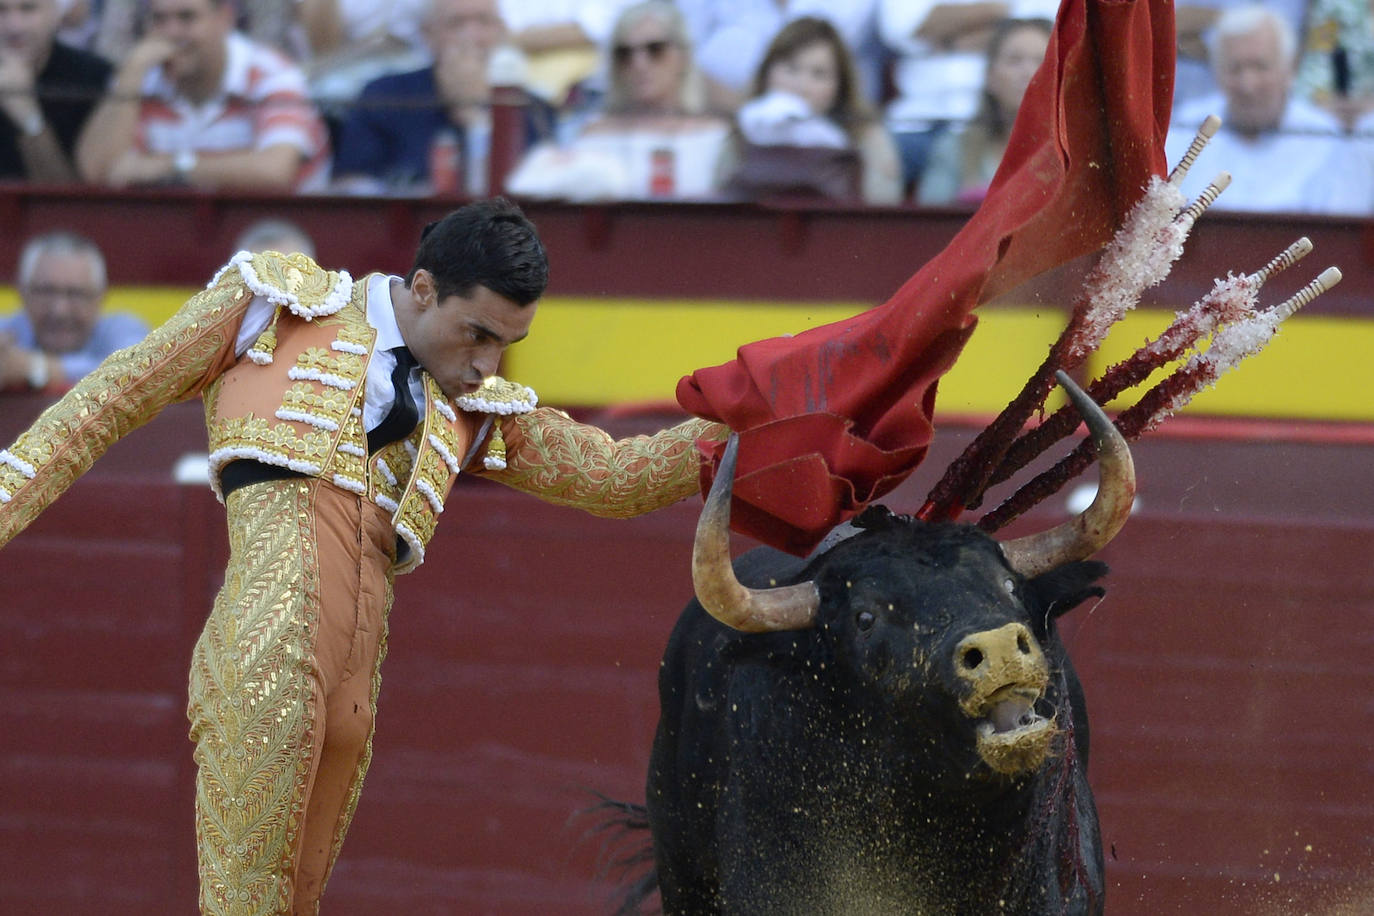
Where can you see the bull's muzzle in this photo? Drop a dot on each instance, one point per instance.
(1003, 673)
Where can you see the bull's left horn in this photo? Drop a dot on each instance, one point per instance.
(1081, 537)
(753, 610)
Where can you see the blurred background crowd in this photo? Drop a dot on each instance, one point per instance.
(876, 101)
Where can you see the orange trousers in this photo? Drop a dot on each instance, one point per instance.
(283, 693)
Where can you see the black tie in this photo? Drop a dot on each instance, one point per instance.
(403, 416)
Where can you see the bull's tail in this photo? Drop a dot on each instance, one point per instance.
(627, 854)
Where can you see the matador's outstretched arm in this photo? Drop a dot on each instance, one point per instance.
(567, 463)
(128, 389)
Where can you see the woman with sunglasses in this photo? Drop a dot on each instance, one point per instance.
(652, 137)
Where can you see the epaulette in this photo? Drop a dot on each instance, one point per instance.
(290, 281)
(498, 396)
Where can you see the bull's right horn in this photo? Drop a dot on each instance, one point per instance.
(1084, 535)
(753, 610)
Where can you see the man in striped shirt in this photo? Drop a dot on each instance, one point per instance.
(197, 103)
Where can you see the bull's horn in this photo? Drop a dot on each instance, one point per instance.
(1081, 537)
(753, 610)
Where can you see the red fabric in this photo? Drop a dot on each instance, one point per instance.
(839, 415)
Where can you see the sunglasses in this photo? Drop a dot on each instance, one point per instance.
(653, 50)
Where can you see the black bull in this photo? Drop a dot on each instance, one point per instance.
(902, 733)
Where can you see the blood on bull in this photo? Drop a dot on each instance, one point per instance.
(891, 725)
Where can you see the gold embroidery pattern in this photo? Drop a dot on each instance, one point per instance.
(281, 444)
(498, 396)
(295, 281)
(345, 365)
(332, 404)
(315, 415)
(567, 463)
(252, 703)
(417, 514)
(398, 461)
(127, 390)
(355, 334)
(350, 459)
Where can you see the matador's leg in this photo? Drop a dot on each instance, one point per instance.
(282, 632)
(356, 588)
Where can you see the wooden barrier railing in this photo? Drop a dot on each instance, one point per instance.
(806, 252)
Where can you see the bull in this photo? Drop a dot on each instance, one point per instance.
(891, 725)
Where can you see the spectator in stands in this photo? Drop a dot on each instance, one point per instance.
(405, 125)
(941, 53)
(59, 334)
(342, 44)
(195, 102)
(47, 92)
(653, 138)
(1283, 153)
(963, 161)
(807, 129)
(561, 41)
(274, 234)
(1193, 21)
(731, 37)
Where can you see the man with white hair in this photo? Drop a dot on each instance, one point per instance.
(1284, 154)
(60, 334)
(47, 92)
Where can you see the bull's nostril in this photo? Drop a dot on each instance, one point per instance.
(972, 659)
(1023, 644)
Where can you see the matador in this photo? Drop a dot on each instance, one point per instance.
(305, 372)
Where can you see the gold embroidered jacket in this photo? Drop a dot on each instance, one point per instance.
(295, 400)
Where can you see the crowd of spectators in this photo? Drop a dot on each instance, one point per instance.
(879, 101)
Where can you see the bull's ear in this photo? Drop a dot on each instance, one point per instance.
(1066, 587)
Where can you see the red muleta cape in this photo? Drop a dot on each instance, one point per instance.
(835, 417)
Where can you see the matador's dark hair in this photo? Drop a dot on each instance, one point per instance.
(487, 243)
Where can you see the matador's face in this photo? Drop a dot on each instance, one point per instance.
(460, 339)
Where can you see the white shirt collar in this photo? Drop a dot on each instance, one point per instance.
(380, 312)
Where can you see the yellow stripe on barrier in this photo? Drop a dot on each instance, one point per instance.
(1316, 368)
(594, 351)
(599, 351)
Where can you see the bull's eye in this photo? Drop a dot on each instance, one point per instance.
(1010, 586)
(865, 620)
